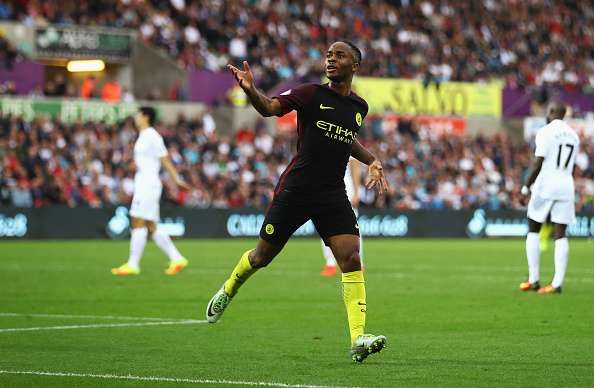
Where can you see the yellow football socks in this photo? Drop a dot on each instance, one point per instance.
(353, 292)
(242, 271)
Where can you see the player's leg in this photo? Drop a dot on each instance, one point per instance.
(532, 256)
(249, 263)
(330, 266)
(138, 236)
(538, 212)
(562, 214)
(176, 261)
(283, 218)
(338, 227)
(561, 259)
(346, 251)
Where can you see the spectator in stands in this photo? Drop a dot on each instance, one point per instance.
(89, 165)
(60, 85)
(87, 88)
(8, 88)
(111, 91)
(527, 43)
(177, 91)
(8, 54)
(127, 95)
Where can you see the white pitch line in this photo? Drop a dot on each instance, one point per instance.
(100, 325)
(160, 378)
(110, 317)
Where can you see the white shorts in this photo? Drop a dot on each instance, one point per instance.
(562, 212)
(145, 204)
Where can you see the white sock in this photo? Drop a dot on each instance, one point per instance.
(561, 258)
(164, 242)
(328, 255)
(137, 243)
(533, 255)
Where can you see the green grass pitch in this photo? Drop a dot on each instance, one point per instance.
(450, 309)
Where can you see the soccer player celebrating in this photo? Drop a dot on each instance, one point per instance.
(550, 182)
(352, 178)
(149, 154)
(329, 117)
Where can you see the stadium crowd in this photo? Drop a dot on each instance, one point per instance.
(538, 42)
(47, 162)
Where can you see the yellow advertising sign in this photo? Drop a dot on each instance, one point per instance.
(405, 96)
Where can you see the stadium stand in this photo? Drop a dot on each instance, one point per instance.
(524, 42)
(47, 162)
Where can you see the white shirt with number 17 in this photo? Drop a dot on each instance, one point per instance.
(148, 151)
(558, 144)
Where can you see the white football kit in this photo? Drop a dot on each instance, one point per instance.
(553, 191)
(148, 151)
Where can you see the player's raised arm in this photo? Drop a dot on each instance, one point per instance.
(375, 171)
(265, 105)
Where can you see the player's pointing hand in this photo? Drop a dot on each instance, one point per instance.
(376, 177)
(244, 78)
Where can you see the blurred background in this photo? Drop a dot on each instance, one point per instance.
(456, 91)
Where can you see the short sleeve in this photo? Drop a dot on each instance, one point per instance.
(541, 144)
(158, 147)
(296, 98)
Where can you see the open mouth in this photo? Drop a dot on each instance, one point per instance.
(330, 68)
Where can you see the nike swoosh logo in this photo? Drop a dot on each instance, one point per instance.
(322, 106)
(208, 312)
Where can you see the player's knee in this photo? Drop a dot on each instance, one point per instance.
(351, 261)
(355, 257)
(259, 259)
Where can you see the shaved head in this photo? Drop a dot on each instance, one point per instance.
(556, 111)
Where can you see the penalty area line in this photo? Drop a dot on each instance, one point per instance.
(158, 378)
(100, 325)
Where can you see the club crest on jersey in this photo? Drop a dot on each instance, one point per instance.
(269, 229)
(358, 118)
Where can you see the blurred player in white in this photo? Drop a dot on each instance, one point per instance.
(352, 179)
(149, 154)
(551, 188)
